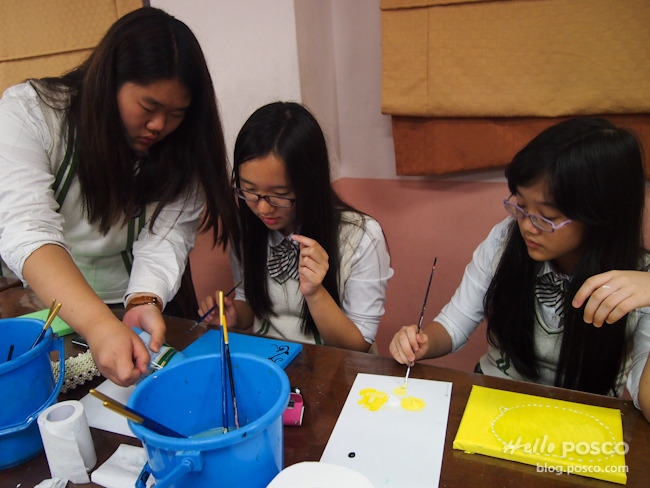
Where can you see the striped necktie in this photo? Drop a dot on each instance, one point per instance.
(282, 263)
(550, 290)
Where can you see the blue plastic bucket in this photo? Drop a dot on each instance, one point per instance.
(187, 398)
(27, 387)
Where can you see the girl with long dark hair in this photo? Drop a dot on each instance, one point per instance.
(313, 268)
(563, 282)
(107, 174)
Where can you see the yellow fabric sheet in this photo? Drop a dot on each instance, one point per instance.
(515, 58)
(552, 434)
(49, 37)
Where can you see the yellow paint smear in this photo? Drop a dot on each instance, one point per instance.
(373, 399)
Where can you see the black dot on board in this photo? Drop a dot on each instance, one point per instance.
(351, 455)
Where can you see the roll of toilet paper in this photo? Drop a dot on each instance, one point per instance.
(68, 444)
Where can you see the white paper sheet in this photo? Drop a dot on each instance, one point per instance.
(101, 417)
(392, 446)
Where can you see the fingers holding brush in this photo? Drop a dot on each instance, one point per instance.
(407, 344)
(209, 313)
(208, 308)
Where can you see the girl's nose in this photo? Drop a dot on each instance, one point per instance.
(527, 225)
(156, 123)
(264, 207)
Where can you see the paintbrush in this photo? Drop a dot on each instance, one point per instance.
(222, 347)
(212, 309)
(224, 331)
(136, 417)
(424, 306)
(225, 350)
(48, 322)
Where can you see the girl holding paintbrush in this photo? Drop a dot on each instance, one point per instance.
(563, 282)
(107, 173)
(313, 269)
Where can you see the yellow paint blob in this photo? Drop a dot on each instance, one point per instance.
(372, 399)
(413, 404)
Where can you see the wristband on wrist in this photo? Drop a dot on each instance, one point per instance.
(144, 300)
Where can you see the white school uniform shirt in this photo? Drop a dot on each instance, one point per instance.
(465, 311)
(33, 142)
(363, 278)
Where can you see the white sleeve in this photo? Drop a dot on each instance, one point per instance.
(465, 310)
(160, 255)
(28, 210)
(365, 290)
(640, 351)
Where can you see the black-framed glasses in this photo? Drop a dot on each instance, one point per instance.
(250, 196)
(542, 223)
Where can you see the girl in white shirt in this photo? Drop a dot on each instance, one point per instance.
(107, 173)
(564, 285)
(313, 269)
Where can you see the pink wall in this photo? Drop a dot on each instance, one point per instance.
(423, 219)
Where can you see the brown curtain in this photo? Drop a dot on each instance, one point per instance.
(470, 82)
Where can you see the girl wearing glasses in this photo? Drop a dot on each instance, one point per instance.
(544, 279)
(313, 269)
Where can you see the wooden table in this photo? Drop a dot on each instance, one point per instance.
(325, 376)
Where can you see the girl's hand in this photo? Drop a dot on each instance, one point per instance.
(213, 319)
(312, 266)
(611, 295)
(118, 352)
(407, 345)
(149, 319)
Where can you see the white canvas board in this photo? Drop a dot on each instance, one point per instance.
(392, 446)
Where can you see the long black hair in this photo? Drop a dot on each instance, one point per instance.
(594, 174)
(290, 132)
(142, 47)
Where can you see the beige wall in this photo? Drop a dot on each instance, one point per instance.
(325, 53)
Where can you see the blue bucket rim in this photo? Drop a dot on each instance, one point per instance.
(25, 357)
(210, 443)
(48, 342)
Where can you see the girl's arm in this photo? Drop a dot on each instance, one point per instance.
(335, 328)
(161, 254)
(118, 352)
(407, 345)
